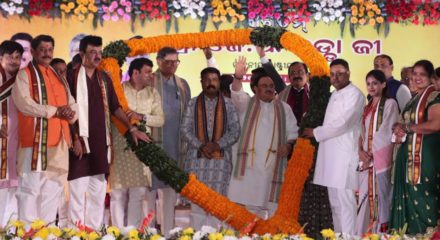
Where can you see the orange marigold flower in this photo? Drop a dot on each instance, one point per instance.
(354, 20)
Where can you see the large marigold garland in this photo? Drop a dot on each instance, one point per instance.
(285, 218)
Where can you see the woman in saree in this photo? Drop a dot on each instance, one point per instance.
(375, 154)
(417, 165)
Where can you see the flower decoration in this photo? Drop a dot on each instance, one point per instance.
(193, 8)
(366, 12)
(12, 7)
(224, 10)
(329, 11)
(430, 12)
(81, 9)
(295, 11)
(116, 10)
(262, 10)
(205, 233)
(401, 11)
(39, 7)
(152, 10)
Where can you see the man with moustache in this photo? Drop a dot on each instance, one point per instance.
(89, 161)
(338, 137)
(175, 94)
(297, 93)
(315, 207)
(130, 178)
(45, 110)
(268, 127)
(10, 58)
(210, 126)
(395, 89)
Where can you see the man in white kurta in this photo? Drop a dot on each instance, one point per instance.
(130, 178)
(253, 185)
(338, 136)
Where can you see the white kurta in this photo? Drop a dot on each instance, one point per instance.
(338, 137)
(254, 187)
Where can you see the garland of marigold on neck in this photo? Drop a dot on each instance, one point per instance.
(285, 217)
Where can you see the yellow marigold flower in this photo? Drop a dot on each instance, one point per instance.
(42, 233)
(70, 232)
(228, 232)
(63, 6)
(227, 3)
(378, 11)
(55, 231)
(375, 7)
(215, 19)
(279, 236)
(77, 11)
(223, 18)
(234, 20)
(370, 14)
(327, 233)
(81, 17)
(214, 3)
(372, 22)
(361, 14)
(266, 237)
(223, 12)
(188, 231)
(374, 237)
(155, 237)
(216, 12)
(133, 234)
(362, 21)
(71, 5)
(354, 20)
(238, 6)
(241, 17)
(37, 224)
(379, 19)
(361, 9)
(185, 237)
(215, 236)
(84, 10)
(81, 234)
(93, 236)
(20, 232)
(232, 12)
(95, 9)
(17, 224)
(354, 8)
(114, 231)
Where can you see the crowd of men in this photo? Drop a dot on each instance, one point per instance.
(57, 136)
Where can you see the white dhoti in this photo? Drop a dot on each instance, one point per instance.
(38, 193)
(86, 201)
(165, 207)
(8, 205)
(128, 207)
(343, 205)
(200, 218)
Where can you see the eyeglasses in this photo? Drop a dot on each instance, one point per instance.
(338, 74)
(169, 62)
